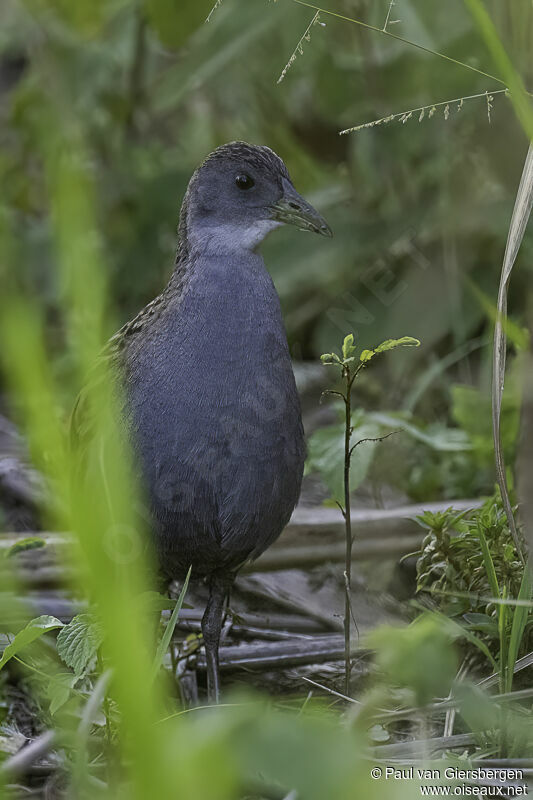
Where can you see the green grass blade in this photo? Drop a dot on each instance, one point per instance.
(169, 630)
(488, 563)
(517, 91)
(503, 615)
(520, 619)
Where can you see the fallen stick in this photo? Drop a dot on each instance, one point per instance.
(274, 655)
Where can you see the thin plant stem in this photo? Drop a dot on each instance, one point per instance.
(404, 116)
(349, 371)
(348, 530)
(399, 39)
(388, 15)
(299, 47)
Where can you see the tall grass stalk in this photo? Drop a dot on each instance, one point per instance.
(519, 219)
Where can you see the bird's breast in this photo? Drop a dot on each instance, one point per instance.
(215, 415)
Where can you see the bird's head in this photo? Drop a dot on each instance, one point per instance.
(238, 195)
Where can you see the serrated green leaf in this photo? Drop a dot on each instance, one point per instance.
(79, 641)
(34, 630)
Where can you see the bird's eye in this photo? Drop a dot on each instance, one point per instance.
(244, 181)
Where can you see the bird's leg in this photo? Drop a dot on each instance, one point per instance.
(211, 627)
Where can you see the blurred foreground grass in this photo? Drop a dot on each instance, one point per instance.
(108, 108)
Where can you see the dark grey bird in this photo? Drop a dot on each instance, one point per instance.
(210, 398)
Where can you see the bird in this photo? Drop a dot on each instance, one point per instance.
(209, 397)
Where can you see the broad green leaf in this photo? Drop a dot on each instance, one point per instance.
(389, 344)
(348, 348)
(79, 641)
(326, 455)
(437, 436)
(471, 410)
(59, 690)
(34, 630)
(31, 543)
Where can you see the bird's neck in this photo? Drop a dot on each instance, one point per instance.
(228, 287)
(202, 236)
(229, 240)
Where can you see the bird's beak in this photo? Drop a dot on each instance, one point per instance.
(292, 209)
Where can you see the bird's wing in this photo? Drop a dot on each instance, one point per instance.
(108, 364)
(82, 428)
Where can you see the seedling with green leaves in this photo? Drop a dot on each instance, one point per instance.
(350, 367)
(469, 564)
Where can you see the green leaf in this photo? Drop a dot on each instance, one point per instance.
(488, 563)
(79, 641)
(154, 603)
(520, 618)
(326, 455)
(435, 436)
(481, 622)
(348, 348)
(34, 630)
(59, 690)
(471, 409)
(389, 344)
(169, 630)
(330, 358)
(31, 543)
